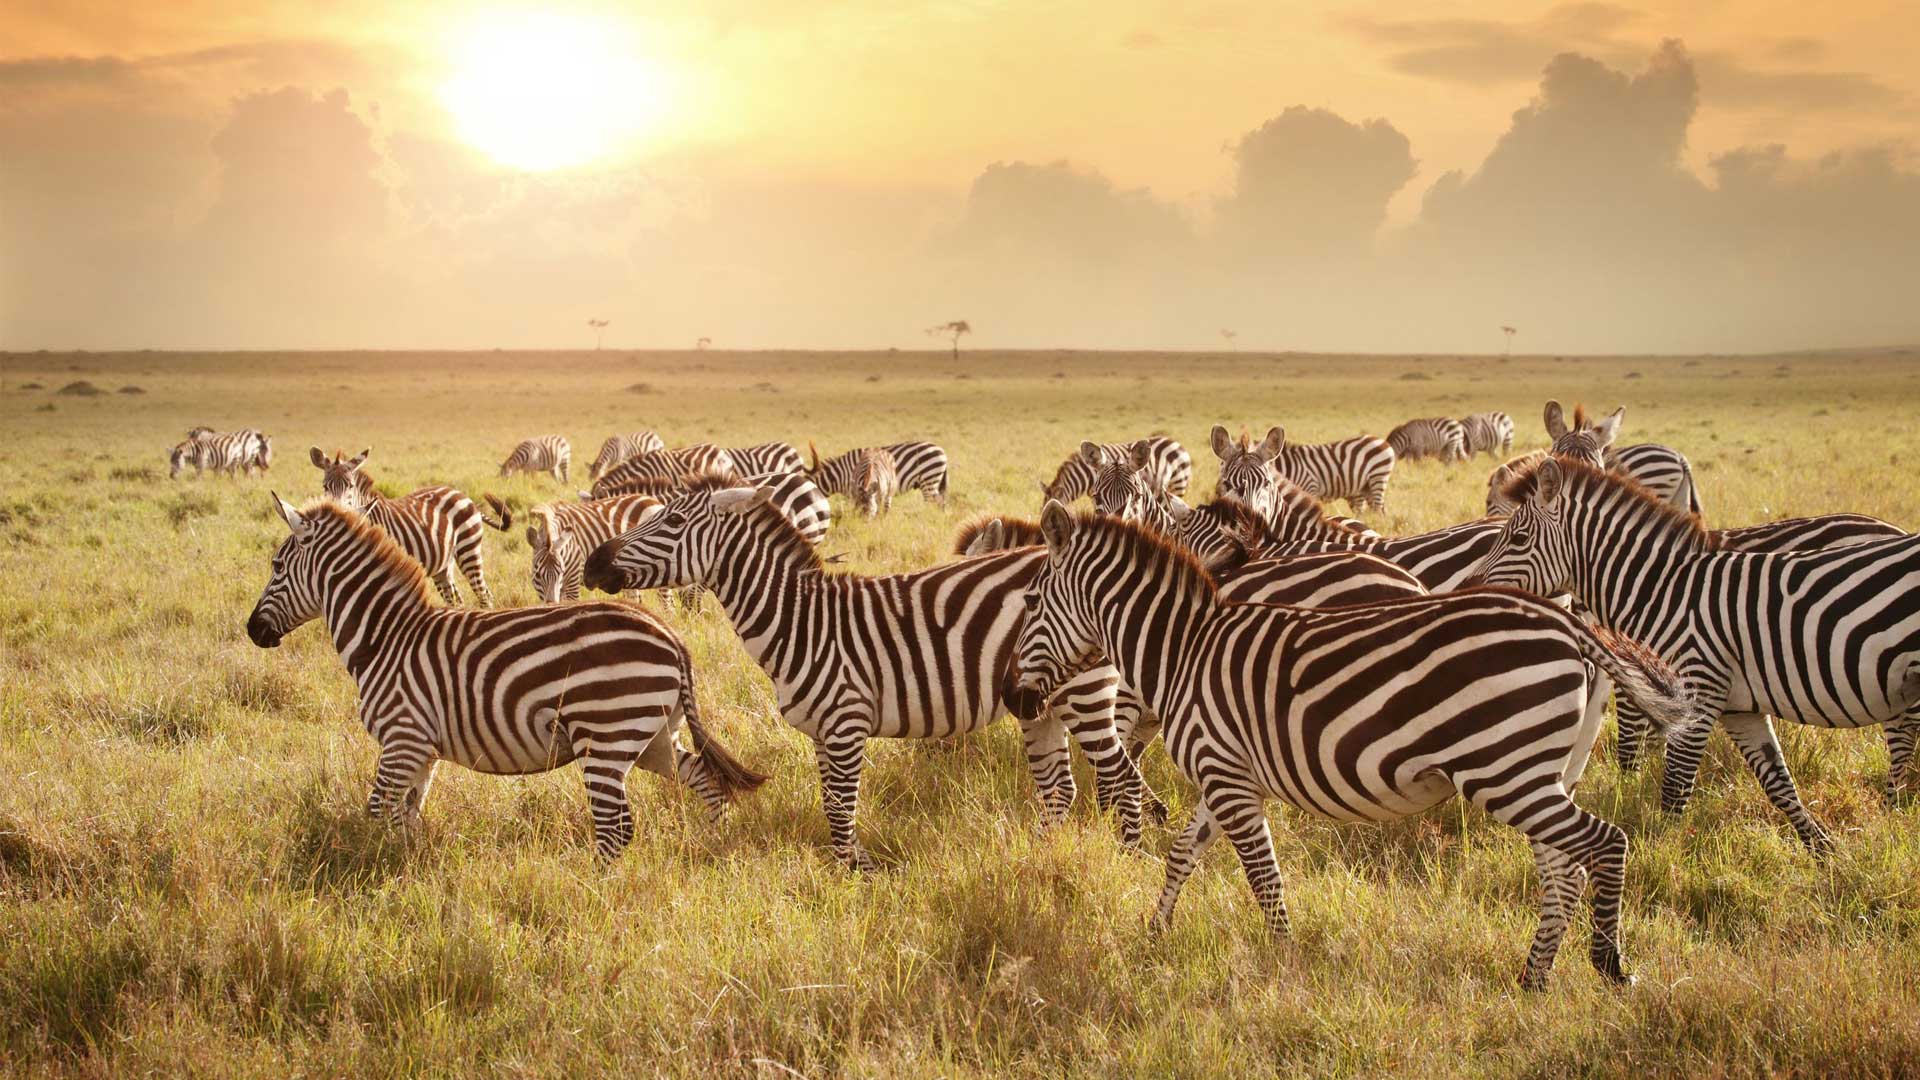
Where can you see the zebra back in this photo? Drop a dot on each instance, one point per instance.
(1429, 436)
(767, 458)
(1489, 432)
(619, 448)
(1355, 469)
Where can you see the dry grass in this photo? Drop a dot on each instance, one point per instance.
(187, 880)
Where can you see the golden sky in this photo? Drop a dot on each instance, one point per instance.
(858, 136)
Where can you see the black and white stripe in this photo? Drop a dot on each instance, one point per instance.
(1368, 713)
(766, 458)
(1488, 432)
(1157, 455)
(1431, 436)
(503, 692)
(619, 448)
(1660, 469)
(438, 526)
(663, 471)
(561, 535)
(542, 453)
(1827, 638)
(918, 655)
(234, 452)
(921, 465)
(878, 482)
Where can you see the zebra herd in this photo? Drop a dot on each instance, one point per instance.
(1281, 651)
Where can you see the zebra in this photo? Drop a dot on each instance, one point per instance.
(1368, 713)
(502, 692)
(921, 465)
(917, 655)
(1432, 436)
(1157, 454)
(674, 468)
(439, 526)
(542, 453)
(234, 453)
(1355, 469)
(1488, 431)
(766, 458)
(619, 448)
(878, 481)
(1661, 469)
(1827, 638)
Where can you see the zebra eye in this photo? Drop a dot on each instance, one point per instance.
(1522, 537)
(1031, 599)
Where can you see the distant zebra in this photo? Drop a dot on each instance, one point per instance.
(503, 692)
(542, 453)
(438, 526)
(1368, 713)
(878, 481)
(1158, 455)
(233, 453)
(1828, 638)
(1355, 469)
(766, 458)
(1660, 469)
(665, 471)
(917, 655)
(1489, 432)
(921, 465)
(619, 448)
(1432, 436)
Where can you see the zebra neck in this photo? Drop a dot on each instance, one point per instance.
(1147, 631)
(1620, 568)
(364, 614)
(760, 592)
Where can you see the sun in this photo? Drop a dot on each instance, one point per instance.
(540, 91)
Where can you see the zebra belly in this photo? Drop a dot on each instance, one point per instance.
(538, 729)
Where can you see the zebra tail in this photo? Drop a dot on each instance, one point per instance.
(734, 776)
(1644, 676)
(506, 515)
(1693, 489)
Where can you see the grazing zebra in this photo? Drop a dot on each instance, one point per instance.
(1157, 455)
(502, 692)
(766, 458)
(1491, 432)
(1827, 638)
(542, 453)
(1368, 713)
(619, 448)
(561, 534)
(438, 526)
(878, 481)
(1660, 469)
(918, 655)
(1432, 436)
(233, 453)
(672, 468)
(1356, 469)
(921, 465)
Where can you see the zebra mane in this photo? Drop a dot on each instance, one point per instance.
(1152, 551)
(397, 563)
(1020, 532)
(1580, 422)
(1642, 504)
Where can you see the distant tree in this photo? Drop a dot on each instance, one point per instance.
(951, 330)
(599, 332)
(1228, 336)
(703, 344)
(1509, 331)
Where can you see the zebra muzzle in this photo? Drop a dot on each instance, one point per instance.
(262, 634)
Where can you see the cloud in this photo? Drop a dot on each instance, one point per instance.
(1309, 181)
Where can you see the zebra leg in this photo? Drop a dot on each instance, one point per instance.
(1135, 728)
(1088, 713)
(1630, 735)
(1052, 767)
(1561, 882)
(470, 568)
(1549, 818)
(1192, 843)
(406, 766)
(416, 797)
(1684, 751)
(1244, 820)
(1753, 734)
(607, 754)
(840, 750)
(1901, 736)
(443, 584)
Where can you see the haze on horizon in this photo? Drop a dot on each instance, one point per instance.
(1647, 177)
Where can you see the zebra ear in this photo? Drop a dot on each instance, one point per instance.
(533, 536)
(1222, 442)
(992, 536)
(1056, 525)
(1556, 420)
(296, 524)
(1176, 508)
(360, 458)
(739, 500)
(1548, 482)
(1276, 438)
(1609, 428)
(815, 451)
(1094, 454)
(1140, 457)
(314, 455)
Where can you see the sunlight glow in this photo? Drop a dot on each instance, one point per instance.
(541, 91)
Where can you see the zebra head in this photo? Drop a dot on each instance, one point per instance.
(1498, 502)
(1533, 552)
(292, 596)
(1118, 489)
(680, 544)
(1060, 633)
(557, 558)
(1582, 440)
(341, 479)
(1246, 471)
(179, 458)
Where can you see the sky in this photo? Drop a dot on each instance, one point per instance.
(1645, 177)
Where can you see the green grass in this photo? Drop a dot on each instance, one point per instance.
(187, 880)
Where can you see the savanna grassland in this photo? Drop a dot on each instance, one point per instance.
(188, 881)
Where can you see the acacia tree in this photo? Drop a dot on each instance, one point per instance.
(703, 344)
(1228, 336)
(1509, 331)
(599, 332)
(951, 330)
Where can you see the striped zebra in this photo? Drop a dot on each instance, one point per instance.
(1826, 638)
(439, 526)
(619, 448)
(1432, 436)
(542, 453)
(501, 692)
(1166, 459)
(1368, 713)
(878, 481)
(1489, 432)
(918, 655)
(233, 453)
(1660, 469)
(674, 469)
(921, 465)
(1355, 469)
(766, 458)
